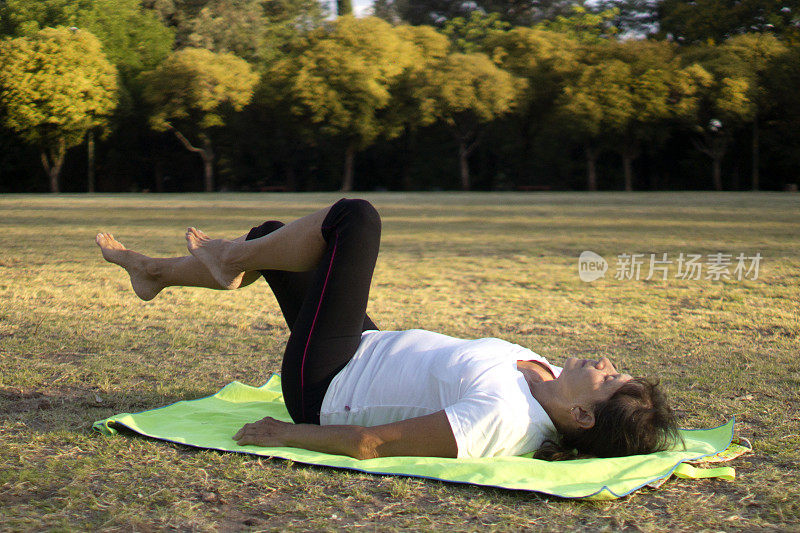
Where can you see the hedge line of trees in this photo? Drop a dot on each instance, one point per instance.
(177, 95)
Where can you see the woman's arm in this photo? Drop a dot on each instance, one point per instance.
(428, 435)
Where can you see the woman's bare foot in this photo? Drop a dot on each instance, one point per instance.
(145, 285)
(216, 255)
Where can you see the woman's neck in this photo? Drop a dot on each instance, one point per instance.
(546, 393)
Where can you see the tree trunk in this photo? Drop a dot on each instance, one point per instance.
(52, 174)
(53, 165)
(349, 158)
(206, 153)
(407, 181)
(159, 175)
(755, 154)
(717, 175)
(463, 155)
(653, 180)
(591, 167)
(208, 164)
(291, 175)
(630, 151)
(627, 164)
(90, 161)
(344, 7)
(714, 147)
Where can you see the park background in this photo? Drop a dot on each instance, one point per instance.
(297, 95)
(271, 95)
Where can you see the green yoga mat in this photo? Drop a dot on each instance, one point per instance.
(211, 422)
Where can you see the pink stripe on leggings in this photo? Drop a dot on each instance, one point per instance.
(313, 322)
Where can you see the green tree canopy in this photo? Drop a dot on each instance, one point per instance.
(343, 81)
(781, 73)
(753, 54)
(56, 85)
(655, 88)
(583, 25)
(516, 12)
(724, 101)
(468, 34)
(133, 38)
(545, 59)
(431, 48)
(465, 91)
(191, 90)
(595, 102)
(713, 21)
(254, 30)
(26, 17)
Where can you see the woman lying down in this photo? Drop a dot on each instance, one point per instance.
(354, 390)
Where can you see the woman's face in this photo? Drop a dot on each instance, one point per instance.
(586, 382)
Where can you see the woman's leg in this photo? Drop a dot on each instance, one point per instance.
(149, 275)
(327, 331)
(295, 247)
(341, 245)
(290, 288)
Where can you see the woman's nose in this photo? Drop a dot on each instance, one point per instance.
(605, 364)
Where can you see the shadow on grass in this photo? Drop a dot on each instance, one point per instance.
(70, 408)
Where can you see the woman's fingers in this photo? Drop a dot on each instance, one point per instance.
(241, 431)
(261, 433)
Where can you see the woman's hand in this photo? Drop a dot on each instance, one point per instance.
(265, 432)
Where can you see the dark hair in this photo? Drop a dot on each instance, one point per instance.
(634, 420)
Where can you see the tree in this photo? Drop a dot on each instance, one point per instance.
(634, 18)
(596, 102)
(713, 21)
(583, 25)
(544, 58)
(386, 10)
(784, 114)
(469, 34)
(431, 48)
(655, 90)
(344, 7)
(252, 29)
(56, 85)
(516, 12)
(343, 82)
(724, 102)
(26, 17)
(133, 38)
(191, 90)
(755, 53)
(466, 91)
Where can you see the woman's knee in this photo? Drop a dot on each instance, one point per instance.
(264, 229)
(362, 211)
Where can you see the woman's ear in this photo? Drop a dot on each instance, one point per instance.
(583, 418)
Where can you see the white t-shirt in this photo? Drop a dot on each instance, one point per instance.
(396, 375)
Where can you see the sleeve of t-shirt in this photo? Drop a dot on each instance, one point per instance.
(474, 421)
(483, 425)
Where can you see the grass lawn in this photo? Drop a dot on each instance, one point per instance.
(76, 345)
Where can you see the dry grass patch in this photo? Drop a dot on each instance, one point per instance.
(76, 346)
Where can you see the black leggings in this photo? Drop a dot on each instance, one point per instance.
(325, 308)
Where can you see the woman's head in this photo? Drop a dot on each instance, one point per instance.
(607, 414)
